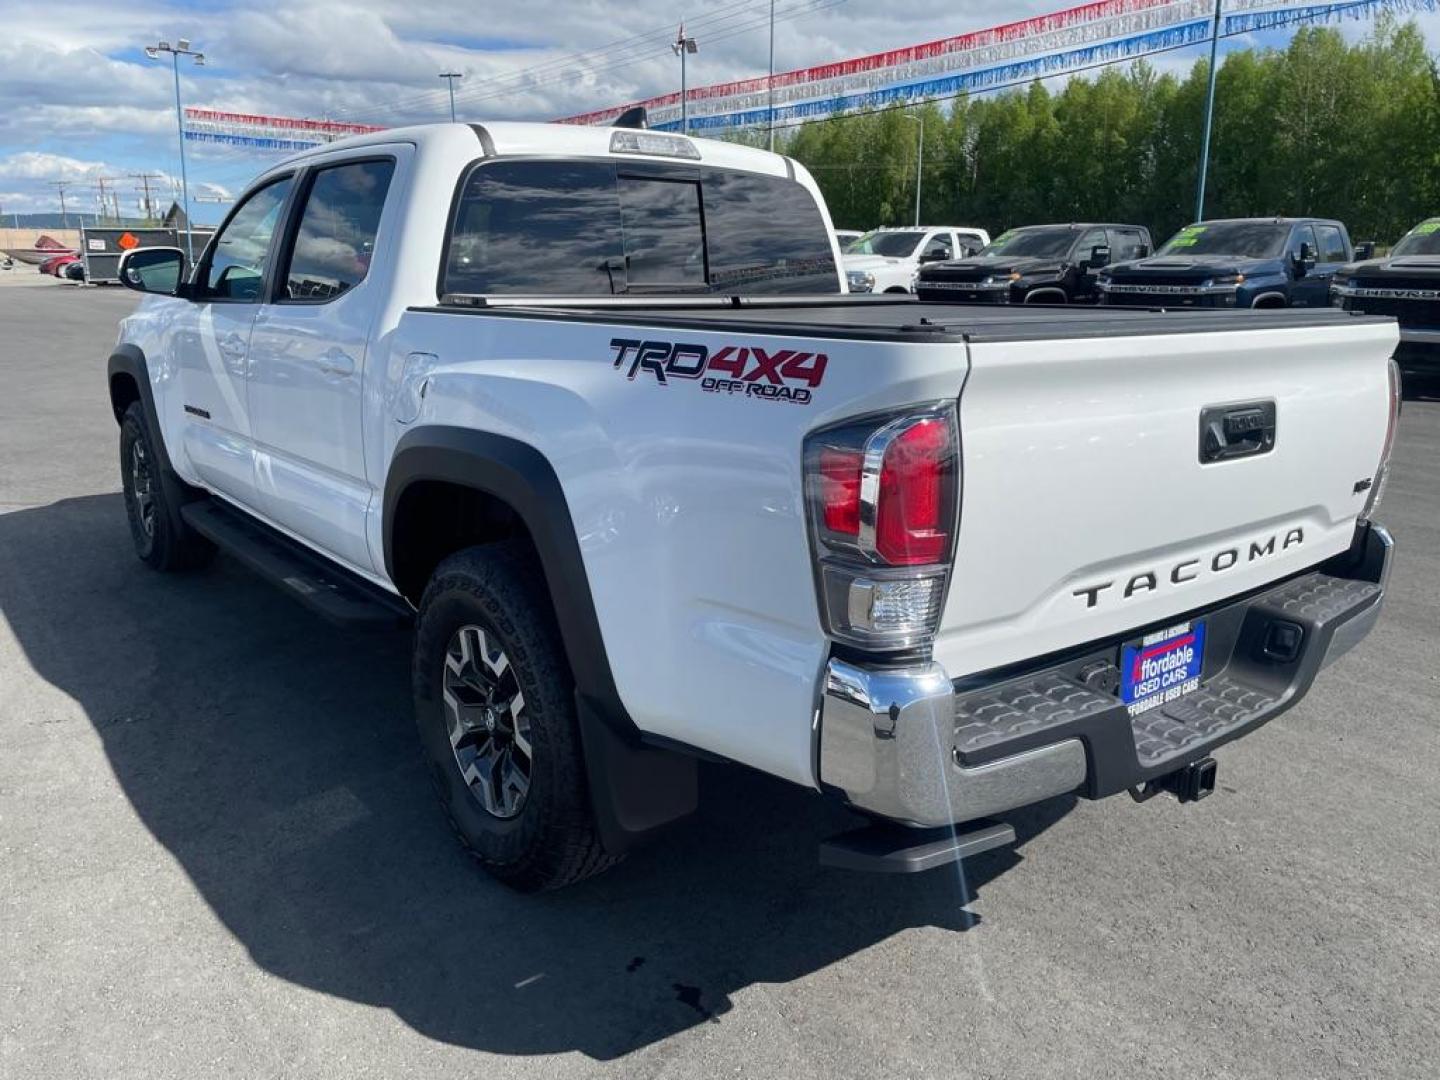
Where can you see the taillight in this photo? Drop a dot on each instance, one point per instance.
(883, 497)
(916, 479)
(1382, 471)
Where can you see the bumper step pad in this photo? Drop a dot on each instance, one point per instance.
(1247, 685)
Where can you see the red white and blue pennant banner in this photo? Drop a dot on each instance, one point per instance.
(262, 132)
(1063, 41)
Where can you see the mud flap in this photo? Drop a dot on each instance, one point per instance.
(637, 792)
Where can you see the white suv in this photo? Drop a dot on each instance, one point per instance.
(886, 260)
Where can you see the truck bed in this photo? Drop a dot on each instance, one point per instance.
(896, 318)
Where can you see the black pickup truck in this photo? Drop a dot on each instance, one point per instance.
(1406, 285)
(1036, 264)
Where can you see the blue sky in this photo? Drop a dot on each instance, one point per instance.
(79, 99)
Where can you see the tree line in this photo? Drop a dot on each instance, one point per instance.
(1321, 127)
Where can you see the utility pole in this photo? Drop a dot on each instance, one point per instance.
(148, 207)
(61, 185)
(770, 83)
(450, 77)
(179, 49)
(1209, 117)
(683, 47)
(100, 182)
(919, 159)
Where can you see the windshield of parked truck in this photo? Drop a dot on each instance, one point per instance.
(1250, 239)
(1031, 243)
(892, 245)
(1424, 239)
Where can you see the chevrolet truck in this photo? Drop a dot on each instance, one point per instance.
(1406, 286)
(593, 411)
(1237, 262)
(1035, 264)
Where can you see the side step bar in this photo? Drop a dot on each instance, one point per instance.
(897, 849)
(327, 590)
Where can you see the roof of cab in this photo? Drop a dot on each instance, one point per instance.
(510, 137)
(1277, 220)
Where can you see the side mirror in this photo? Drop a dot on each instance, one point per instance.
(934, 256)
(1142, 252)
(158, 270)
(1365, 250)
(1305, 261)
(1099, 256)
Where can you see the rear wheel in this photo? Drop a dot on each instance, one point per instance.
(162, 539)
(494, 701)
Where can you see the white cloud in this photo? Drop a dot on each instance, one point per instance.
(35, 165)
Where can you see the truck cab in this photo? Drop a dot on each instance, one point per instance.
(1235, 262)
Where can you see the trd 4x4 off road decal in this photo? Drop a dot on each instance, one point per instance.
(749, 370)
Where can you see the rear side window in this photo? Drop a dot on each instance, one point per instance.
(1332, 244)
(587, 228)
(336, 240)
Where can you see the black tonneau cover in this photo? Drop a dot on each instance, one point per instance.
(891, 317)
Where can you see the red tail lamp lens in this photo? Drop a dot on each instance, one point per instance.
(840, 489)
(912, 524)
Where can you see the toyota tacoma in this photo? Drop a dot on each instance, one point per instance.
(592, 410)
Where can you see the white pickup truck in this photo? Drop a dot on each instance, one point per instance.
(593, 409)
(887, 260)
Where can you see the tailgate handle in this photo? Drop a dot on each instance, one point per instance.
(1236, 431)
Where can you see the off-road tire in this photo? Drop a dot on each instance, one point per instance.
(552, 840)
(162, 539)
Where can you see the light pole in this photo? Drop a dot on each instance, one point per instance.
(919, 160)
(682, 47)
(450, 77)
(179, 49)
(1209, 116)
(770, 82)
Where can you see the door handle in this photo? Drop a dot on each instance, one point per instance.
(1235, 431)
(334, 361)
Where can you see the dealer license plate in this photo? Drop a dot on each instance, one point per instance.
(1161, 667)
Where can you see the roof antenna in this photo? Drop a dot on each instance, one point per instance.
(634, 117)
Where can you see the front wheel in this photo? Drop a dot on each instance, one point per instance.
(495, 705)
(162, 539)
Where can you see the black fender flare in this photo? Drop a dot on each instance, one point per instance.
(635, 788)
(129, 360)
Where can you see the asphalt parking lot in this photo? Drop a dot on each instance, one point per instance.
(219, 854)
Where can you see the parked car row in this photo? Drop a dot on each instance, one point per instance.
(1237, 262)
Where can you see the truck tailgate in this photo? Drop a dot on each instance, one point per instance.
(1087, 511)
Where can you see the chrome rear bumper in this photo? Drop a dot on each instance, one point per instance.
(905, 745)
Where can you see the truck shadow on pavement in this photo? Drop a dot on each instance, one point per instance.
(275, 759)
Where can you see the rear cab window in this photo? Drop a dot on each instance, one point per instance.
(603, 228)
